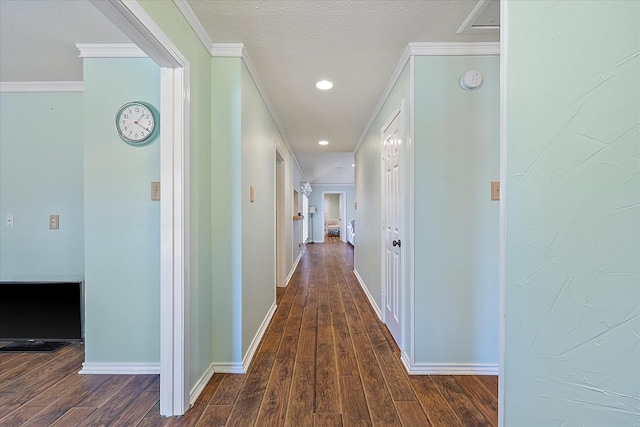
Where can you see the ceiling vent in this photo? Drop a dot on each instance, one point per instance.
(484, 18)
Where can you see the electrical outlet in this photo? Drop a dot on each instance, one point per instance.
(155, 191)
(9, 220)
(54, 222)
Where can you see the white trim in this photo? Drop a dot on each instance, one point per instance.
(119, 368)
(427, 49)
(468, 24)
(502, 254)
(228, 368)
(333, 185)
(14, 87)
(293, 268)
(227, 50)
(409, 226)
(126, 50)
(133, 20)
(454, 48)
(453, 369)
(199, 386)
(372, 301)
(192, 20)
(255, 343)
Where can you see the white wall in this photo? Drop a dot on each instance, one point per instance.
(572, 170)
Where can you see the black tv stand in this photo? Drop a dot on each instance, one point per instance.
(31, 347)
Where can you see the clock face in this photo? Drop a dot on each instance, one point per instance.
(135, 122)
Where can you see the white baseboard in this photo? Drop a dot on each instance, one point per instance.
(368, 294)
(228, 368)
(199, 386)
(451, 368)
(293, 268)
(253, 347)
(119, 368)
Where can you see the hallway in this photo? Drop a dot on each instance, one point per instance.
(326, 360)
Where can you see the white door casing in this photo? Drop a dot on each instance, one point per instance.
(392, 294)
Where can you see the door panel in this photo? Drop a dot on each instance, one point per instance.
(392, 187)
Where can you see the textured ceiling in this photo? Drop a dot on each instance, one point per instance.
(292, 44)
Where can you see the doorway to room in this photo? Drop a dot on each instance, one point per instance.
(334, 214)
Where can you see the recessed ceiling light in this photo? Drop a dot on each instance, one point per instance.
(324, 85)
(323, 142)
(353, 165)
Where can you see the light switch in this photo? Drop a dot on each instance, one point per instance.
(54, 222)
(495, 190)
(155, 191)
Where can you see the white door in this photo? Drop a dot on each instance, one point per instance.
(391, 198)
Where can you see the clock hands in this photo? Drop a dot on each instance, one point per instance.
(136, 122)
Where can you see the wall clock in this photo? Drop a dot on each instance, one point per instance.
(137, 123)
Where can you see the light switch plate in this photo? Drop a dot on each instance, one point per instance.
(495, 190)
(155, 190)
(54, 222)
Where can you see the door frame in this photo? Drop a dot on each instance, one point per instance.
(406, 282)
(343, 214)
(133, 21)
(280, 218)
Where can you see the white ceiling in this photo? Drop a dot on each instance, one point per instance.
(292, 44)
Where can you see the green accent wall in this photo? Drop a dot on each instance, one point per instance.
(41, 168)
(572, 345)
(121, 223)
(456, 225)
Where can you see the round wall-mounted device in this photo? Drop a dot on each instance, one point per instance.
(470, 80)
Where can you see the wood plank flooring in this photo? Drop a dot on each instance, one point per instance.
(325, 360)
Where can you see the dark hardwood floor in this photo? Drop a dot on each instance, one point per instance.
(326, 360)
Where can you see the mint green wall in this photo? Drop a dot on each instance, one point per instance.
(259, 136)
(121, 223)
(167, 16)
(456, 156)
(296, 237)
(367, 253)
(41, 168)
(572, 204)
(227, 209)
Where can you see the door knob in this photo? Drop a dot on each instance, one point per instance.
(396, 243)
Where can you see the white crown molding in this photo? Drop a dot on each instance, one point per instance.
(228, 50)
(329, 184)
(231, 50)
(454, 48)
(110, 51)
(119, 368)
(194, 22)
(428, 49)
(10, 87)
